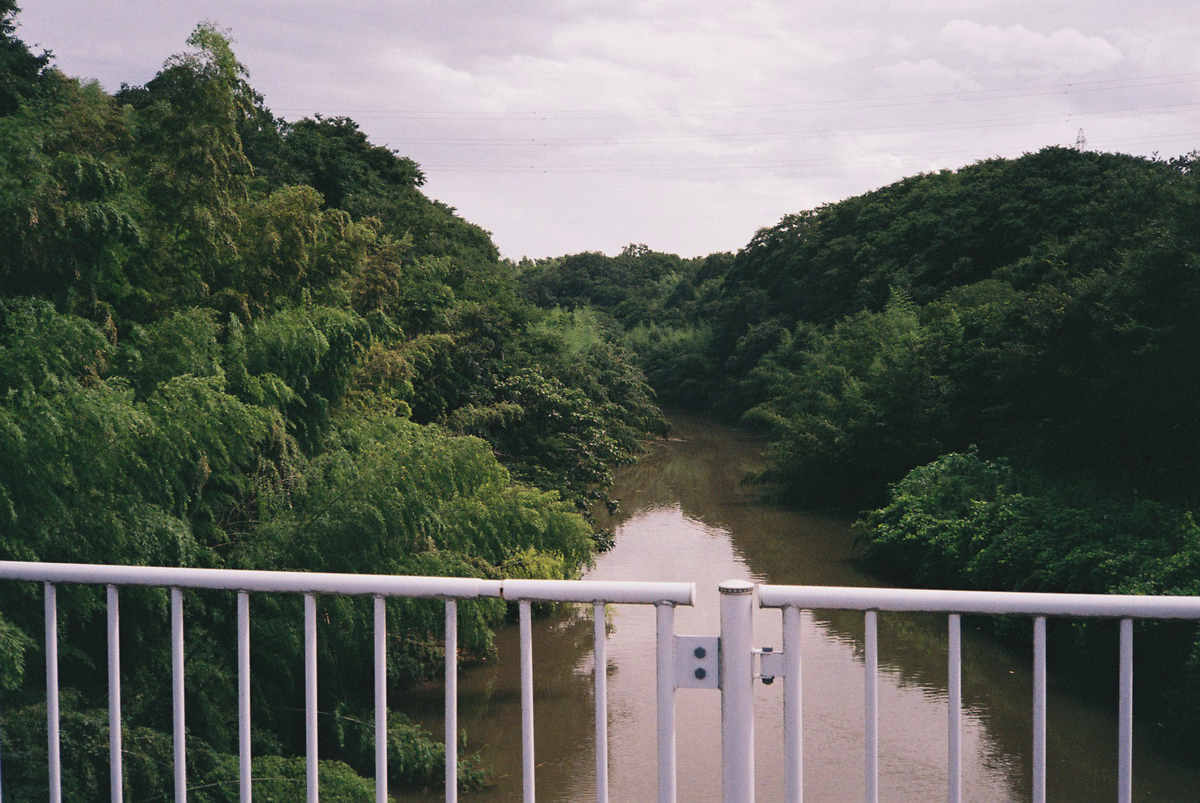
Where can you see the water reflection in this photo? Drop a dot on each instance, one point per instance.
(686, 517)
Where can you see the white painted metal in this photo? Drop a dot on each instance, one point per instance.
(600, 671)
(610, 591)
(1113, 606)
(737, 692)
(770, 665)
(116, 773)
(793, 707)
(245, 772)
(177, 695)
(665, 595)
(697, 662)
(451, 701)
(381, 791)
(1039, 710)
(310, 695)
(871, 703)
(1123, 607)
(52, 718)
(260, 581)
(954, 711)
(526, 701)
(1125, 717)
(664, 672)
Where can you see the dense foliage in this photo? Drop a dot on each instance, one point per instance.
(965, 522)
(227, 340)
(1043, 311)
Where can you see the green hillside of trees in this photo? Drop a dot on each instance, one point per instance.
(228, 340)
(997, 367)
(231, 340)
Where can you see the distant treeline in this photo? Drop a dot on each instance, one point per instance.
(228, 340)
(1003, 359)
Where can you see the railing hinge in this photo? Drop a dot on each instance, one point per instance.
(770, 665)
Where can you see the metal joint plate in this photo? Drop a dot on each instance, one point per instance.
(696, 662)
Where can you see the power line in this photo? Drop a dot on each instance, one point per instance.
(920, 128)
(884, 158)
(762, 136)
(887, 101)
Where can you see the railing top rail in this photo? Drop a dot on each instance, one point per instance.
(625, 592)
(1116, 606)
(263, 581)
(383, 585)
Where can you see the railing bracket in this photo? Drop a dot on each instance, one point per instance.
(770, 665)
(696, 664)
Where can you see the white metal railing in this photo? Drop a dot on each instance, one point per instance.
(727, 662)
(792, 599)
(665, 596)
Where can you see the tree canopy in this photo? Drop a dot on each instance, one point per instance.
(229, 340)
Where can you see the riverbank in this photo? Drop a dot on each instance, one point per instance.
(686, 516)
(964, 522)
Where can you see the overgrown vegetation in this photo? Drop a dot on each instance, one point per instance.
(227, 340)
(1041, 311)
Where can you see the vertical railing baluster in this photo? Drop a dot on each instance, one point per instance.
(116, 773)
(451, 701)
(1125, 715)
(177, 695)
(527, 778)
(245, 771)
(664, 614)
(736, 660)
(52, 717)
(793, 706)
(871, 694)
(954, 712)
(601, 679)
(381, 728)
(1039, 709)
(310, 693)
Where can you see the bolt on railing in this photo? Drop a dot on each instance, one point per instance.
(727, 662)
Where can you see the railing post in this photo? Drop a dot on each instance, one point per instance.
(665, 695)
(525, 617)
(451, 701)
(310, 697)
(737, 691)
(245, 763)
(599, 629)
(871, 703)
(381, 728)
(116, 779)
(177, 698)
(1039, 710)
(954, 713)
(1125, 716)
(793, 706)
(54, 748)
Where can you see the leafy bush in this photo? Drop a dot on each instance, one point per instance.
(965, 522)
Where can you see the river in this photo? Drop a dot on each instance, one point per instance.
(685, 516)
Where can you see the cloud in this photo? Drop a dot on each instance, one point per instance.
(1066, 50)
(564, 125)
(926, 75)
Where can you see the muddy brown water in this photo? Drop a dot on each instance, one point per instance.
(686, 516)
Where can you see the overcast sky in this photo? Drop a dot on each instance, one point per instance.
(570, 125)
